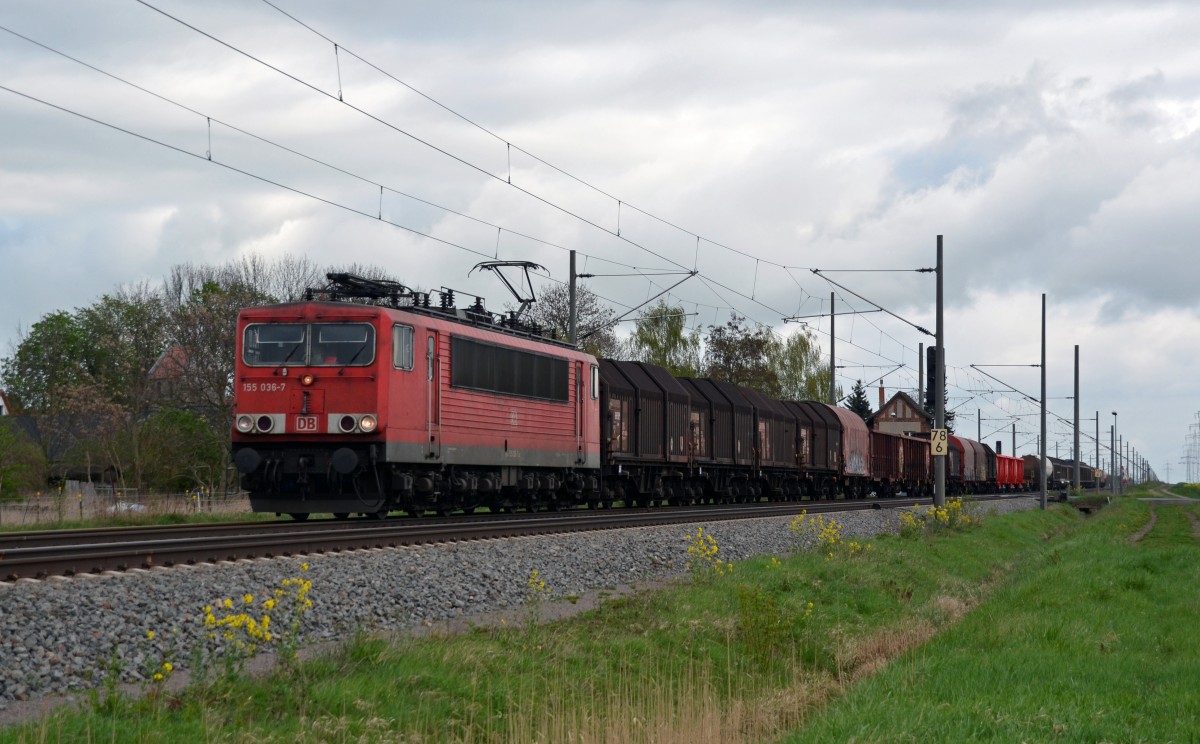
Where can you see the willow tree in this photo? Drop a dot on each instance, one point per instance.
(661, 337)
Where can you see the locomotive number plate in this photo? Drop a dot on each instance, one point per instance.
(306, 424)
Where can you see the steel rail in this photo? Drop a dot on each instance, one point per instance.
(179, 546)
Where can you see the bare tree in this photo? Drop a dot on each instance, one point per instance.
(594, 320)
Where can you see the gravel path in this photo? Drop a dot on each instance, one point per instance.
(60, 637)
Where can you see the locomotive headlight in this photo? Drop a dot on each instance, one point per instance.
(308, 379)
(245, 424)
(368, 423)
(265, 423)
(347, 423)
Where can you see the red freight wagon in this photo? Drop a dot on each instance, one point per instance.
(344, 407)
(970, 475)
(1010, 473)
(856, 447)
(899, 464)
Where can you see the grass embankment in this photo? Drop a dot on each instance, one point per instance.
(1186, 490)
(1068, 632)
(1098, 640)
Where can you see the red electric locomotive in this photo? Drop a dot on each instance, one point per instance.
(368, 400)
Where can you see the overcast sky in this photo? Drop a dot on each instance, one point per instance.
(1055, 145)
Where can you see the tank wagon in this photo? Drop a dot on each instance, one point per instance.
(369, 398)
(1060, 474)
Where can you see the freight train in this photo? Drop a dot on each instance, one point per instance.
(369, 398)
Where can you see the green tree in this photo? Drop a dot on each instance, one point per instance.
(128, 331)
(22, 464)
(801, 373)
(741, 354)
(661, 338)
(183, 452)
(55, 354)
(858, 401)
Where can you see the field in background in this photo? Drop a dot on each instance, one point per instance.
(86, 505)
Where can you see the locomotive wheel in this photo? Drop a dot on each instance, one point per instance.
(299, 516)
(341, 515)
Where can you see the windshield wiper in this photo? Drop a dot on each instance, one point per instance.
(295, 348)
(361, 349)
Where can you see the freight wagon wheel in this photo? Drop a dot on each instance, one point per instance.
(341, 515)
(298, 516)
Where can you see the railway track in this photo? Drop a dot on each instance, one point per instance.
(42, 554)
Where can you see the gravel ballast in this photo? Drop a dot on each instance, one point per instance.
(60, 636)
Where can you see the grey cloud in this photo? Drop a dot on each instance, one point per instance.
(988, 123)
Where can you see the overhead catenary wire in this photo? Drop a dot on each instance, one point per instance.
(711, 282)
(292, 151)
(620, 202)
(406, 133)
(467, 163)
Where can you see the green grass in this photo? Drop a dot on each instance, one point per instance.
(1036, 626)
(1097, 640)
(1187, 490)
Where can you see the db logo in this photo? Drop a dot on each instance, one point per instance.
(306, 423)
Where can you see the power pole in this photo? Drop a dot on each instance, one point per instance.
(832, 365)
(1120, 463)
(1112, 450)
(1043, 446)
(939, 391)
(1075, 477)
(574, 311)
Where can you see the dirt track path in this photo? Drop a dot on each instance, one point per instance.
(1137, 536)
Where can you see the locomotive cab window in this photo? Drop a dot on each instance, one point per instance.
(343, 344)
(275, 344)
(402, 347)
